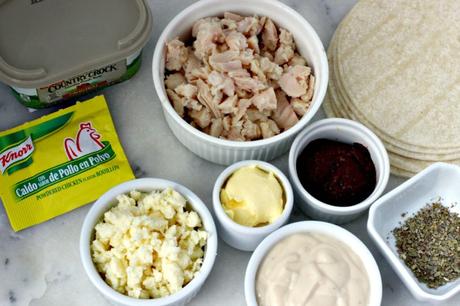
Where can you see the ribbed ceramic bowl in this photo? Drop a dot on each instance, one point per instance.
(347, 131)
(224, 151)
(242, 237)
(105, 202)
(334, 231)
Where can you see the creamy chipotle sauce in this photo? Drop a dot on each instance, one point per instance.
(311, 270)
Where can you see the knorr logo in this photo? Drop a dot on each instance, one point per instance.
(16, 154)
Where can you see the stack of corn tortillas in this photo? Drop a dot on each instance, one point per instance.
(395, 67)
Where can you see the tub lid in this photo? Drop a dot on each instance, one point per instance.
(45, 41)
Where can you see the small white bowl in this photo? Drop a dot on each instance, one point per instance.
(223, 151)
(438, 180)
(108, 200)
(334, 231)
(347, 131)
(242, 237)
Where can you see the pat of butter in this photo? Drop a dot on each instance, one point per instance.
(252, 197)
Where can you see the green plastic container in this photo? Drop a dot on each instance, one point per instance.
(57, 50)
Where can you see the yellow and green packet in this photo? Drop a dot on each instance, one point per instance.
(59, 162)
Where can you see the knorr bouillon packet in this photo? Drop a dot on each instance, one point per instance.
(60, 162)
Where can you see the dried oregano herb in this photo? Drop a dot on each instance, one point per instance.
(429, 244)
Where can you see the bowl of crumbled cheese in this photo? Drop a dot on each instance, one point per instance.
(239, 79)
(148, 242)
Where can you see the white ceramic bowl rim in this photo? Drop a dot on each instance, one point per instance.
(106, 201)
(375, 144)
(400, 268)
(334, 231)
(222, 179)
(317, 99)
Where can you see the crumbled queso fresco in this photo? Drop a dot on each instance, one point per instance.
(149, 245)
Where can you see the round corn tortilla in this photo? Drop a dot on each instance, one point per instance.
(397, 62)
(412, 165)
(401, 173)
(423, 152)
(400, 165)
(328, 109)
(343, 109)
(431, 153)
(412, 91)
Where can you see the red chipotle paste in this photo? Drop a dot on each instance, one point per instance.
(336, 173)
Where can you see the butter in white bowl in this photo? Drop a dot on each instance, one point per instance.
(251, 199)
(253, 196)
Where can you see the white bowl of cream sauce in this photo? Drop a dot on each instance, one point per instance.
(312, 263)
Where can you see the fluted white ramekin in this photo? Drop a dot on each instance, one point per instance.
(105, 202)
(242, 237)
(225, 151)
(347, 131)
(334, 231)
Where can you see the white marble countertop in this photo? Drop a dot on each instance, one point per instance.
(40, 266)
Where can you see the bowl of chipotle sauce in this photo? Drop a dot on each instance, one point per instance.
(338, 168)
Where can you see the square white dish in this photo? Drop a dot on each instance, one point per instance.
(440, 180)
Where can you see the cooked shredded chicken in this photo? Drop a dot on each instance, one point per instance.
(241, 79)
